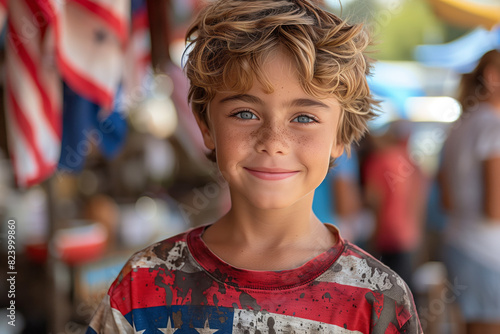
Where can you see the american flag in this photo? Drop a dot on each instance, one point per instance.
(92, 36)
(80, 41)
(33, 90)
(87, 126)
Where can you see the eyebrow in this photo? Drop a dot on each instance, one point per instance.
(304, 102)
(308, 103)
(242, 97)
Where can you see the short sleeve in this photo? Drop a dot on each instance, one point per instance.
(110, 316)
(108, 320)
(410, 322)
(488, 144)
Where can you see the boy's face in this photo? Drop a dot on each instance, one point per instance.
(273, 149)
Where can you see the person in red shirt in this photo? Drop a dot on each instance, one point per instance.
(395, 189)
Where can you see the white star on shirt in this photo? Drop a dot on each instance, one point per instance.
(206, 329)
(138, 332)
(169, 329)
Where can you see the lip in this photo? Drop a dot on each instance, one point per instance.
(272, 174)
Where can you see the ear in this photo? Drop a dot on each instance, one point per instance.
(337, 150)
(205, 132)
(338, 146)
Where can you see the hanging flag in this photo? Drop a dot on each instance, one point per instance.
(137, 54)
(33, 90)
(82, 41)
(91, 38)
(86, 126)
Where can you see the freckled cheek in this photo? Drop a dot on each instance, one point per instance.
(229, 143)
(316, 145)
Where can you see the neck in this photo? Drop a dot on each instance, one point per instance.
(275, 227)
(269, 239)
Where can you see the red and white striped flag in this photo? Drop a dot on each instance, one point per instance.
(33, 90)
(79, 41)
(91, 38)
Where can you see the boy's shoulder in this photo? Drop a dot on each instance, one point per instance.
(358, 268)
(383, 289)
(171, 253)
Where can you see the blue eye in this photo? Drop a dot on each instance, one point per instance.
(304, 119)
(245, 115)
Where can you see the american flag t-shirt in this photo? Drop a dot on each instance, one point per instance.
(179, 286)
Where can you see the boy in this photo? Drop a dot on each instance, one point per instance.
(278, 89)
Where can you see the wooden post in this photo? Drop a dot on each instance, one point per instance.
(159, 23)
(58, 302)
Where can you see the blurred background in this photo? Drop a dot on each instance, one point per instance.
(100, 155)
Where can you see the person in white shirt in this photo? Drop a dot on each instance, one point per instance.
(470, 179)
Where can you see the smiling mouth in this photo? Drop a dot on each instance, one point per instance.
(271, 173)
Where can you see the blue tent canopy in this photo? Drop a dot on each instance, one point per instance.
(395, 82)
(462, 54)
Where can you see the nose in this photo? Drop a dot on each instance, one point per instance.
(271, 138)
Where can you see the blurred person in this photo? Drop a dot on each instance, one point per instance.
(470, 181)
(338, 200)
(279, 90)
(395, 190)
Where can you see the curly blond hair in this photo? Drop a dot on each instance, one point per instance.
(231, 39)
